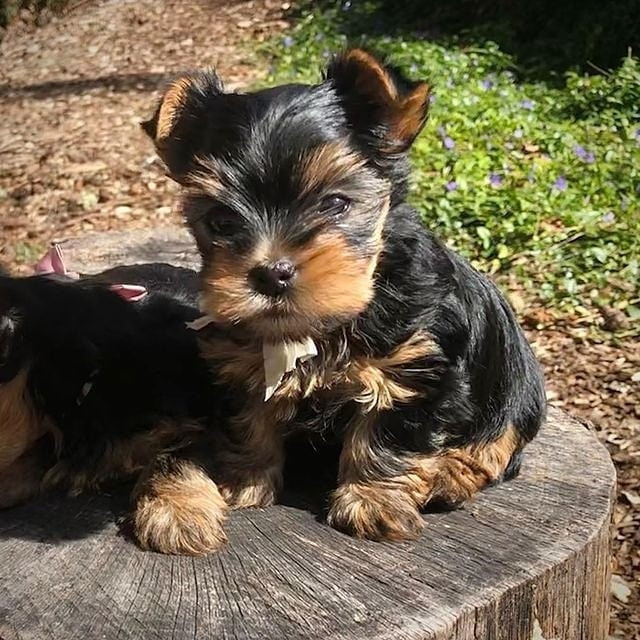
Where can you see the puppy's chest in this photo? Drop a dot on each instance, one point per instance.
(317, 391)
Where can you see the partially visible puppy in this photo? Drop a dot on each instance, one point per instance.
(95, 388)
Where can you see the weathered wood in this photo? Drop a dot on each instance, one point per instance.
(96, 252)
(528, 559)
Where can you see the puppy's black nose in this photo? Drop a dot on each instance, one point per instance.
(273, 279)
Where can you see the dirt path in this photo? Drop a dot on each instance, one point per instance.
(73, 159)
(72, 94)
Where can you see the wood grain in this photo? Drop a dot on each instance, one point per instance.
(96, 252)
(530, 554)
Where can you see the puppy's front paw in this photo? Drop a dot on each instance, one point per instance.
(181, 512)
(374, 513)
(251, 490)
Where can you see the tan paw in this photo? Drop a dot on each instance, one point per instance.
(180, 513)
(374, 513)
(251, 490)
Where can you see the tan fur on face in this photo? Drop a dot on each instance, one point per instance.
(226, 291)
(333, 279)
(328, 164)
(179, 510)
(20, 425)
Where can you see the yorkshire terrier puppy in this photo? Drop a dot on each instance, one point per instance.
(331, 309)
(95, 388)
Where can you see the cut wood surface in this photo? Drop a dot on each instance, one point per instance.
(96, 252)
(525, 560)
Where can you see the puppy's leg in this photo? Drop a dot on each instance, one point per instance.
(381, 491)
(251, 464)
(178, 508)
(22, 479)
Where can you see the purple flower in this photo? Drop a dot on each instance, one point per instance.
(451, 186)
(518, 133)
(487, 84)
(442, 132)
(580, 151)
(560, 184)
(527, 104)
(495, 179)
(588, 156)
(287, 41)
(432, 98)
(448, 143)
(636, 134)
(608, 217)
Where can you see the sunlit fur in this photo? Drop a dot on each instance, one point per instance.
(422, 374)
(334, 262)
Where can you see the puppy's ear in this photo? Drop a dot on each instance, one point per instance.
(177, 127)
(388, 109)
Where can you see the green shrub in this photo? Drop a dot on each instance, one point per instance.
(526, 178)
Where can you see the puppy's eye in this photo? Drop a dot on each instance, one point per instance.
(222, 221)
(334, 205)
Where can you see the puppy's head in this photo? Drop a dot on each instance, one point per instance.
(287, 189)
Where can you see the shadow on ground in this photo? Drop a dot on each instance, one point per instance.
(54, 517)
(118, 83)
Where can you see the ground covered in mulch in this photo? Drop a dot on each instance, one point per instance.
(72, 93)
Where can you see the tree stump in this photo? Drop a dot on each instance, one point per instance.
(528, 559)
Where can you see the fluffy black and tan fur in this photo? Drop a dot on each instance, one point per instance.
(296, 198)
(94, 388)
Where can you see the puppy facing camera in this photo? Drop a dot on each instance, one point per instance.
(331, 309)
